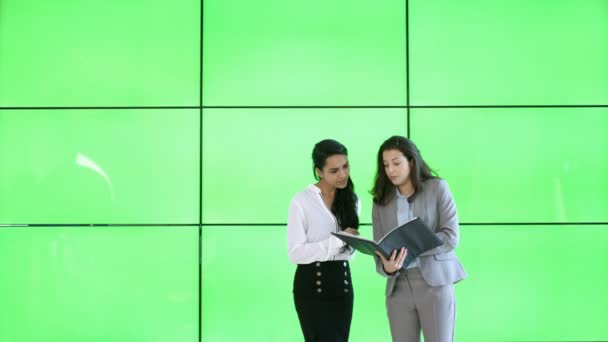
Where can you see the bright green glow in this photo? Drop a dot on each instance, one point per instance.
(100, 53)
(519, 165)
(273, 52)
(256, 160)
(509, 52)
(134, 166)
(533, 283)
(99, 284)
(255, 289)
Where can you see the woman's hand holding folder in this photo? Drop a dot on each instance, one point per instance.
(395, 263)
(352, 231)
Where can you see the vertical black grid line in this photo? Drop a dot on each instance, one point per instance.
(200, 177)
(407, 66)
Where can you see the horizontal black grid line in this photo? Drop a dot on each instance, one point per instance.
(202, 107)
(533, 223)
(304, 107)
(461, 223)
(100, 225)
(274, 224)
(511, 106)
(307, 107)
(262, 224)
(100, 108)
(256, 224)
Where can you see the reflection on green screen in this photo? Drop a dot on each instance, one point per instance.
(99, 284)
(256, 160)
(520, 165)
(119, 166)
(508, 53)
(99, 53)
(273, 52)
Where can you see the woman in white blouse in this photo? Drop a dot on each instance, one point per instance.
(322, 288)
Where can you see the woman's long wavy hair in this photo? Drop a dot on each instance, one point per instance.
(345, 203)
(419, 170)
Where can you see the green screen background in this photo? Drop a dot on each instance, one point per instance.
(140, 137)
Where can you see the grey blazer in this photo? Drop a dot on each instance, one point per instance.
(436, 208)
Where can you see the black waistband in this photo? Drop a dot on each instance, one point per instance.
(323, 278)
(326, 264)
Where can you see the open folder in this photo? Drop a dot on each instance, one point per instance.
(413, 235)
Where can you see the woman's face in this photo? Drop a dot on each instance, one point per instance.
(396, 166)
(336, 171)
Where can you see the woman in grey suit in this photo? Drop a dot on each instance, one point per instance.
(420, 297)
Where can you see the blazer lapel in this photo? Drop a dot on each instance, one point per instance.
(391, 215)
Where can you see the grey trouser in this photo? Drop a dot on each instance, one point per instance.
(414, 305)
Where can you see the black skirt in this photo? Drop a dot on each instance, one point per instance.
(323, 296)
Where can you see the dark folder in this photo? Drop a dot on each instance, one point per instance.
(414, 235)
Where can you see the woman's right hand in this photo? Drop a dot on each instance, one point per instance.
(395, 262)
(352, 231)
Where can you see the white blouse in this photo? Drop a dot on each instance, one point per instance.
(309, 227)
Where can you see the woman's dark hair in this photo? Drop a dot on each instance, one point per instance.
(345, 203)
(419, 171)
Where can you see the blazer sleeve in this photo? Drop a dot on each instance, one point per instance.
(448, 220)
